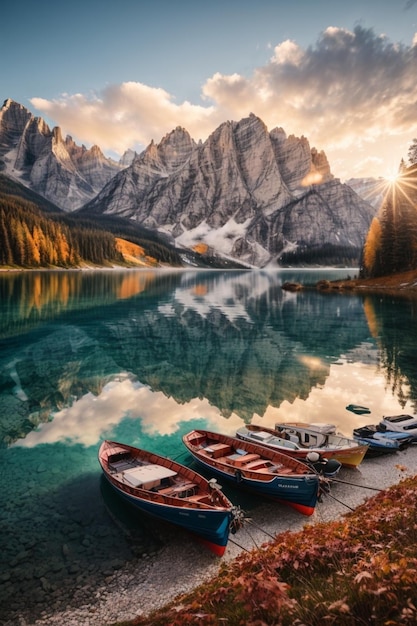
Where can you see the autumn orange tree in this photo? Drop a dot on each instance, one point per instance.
(29, 238)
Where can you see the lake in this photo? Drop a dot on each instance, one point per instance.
(145, 356)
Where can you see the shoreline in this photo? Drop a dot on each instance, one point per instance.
(143, 585)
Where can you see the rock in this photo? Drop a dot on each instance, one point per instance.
(288, 286)
(45, 584)
(57, 169)
(245, 193)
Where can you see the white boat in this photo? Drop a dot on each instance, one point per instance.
(270, 438)
(324, 439)
(400, 424)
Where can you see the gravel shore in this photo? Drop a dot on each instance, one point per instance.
(146, 584)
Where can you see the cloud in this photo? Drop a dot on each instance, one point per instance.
(125, 116)
(350, 92)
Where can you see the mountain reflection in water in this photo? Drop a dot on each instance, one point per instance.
(232, 342)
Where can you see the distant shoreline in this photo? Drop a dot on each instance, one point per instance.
(397, 284)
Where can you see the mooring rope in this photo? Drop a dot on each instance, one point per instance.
(345, 482)
(238, 545)
(251, 537)
(339, 501)
(249, 521)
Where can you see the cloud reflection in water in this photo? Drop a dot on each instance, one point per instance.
(92, 418)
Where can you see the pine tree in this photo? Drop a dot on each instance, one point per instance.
(412, 152)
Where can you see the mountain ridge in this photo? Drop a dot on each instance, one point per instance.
(248, 193)
(30, 152)
(257, 197)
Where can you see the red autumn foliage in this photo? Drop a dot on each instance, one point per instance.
(360, 569)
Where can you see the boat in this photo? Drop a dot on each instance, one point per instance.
(170, 492)
(400, 423)
(324, 438)
(359, 410)
(251, 466)
(381, 442)
(298, 439)
(328, 467)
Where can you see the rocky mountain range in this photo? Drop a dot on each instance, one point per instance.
(245, 193)
(66, 174)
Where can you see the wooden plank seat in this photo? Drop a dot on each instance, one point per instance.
(121, 466)
(197, 497)
(218, 450)
(258, 464)
(177, 490)
(239, 460)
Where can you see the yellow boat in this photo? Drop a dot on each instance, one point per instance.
(298, 439)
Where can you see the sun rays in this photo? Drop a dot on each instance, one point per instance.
(401, 186)
(397, 186)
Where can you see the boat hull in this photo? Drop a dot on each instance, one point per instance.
(297, 491)
(196, 506)
(210, 527)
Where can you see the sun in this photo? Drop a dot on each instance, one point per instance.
(392, 177)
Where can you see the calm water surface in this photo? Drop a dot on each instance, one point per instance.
(144, 357)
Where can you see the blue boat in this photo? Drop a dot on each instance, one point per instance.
(170, 492)
(254, 467)
(379, 441)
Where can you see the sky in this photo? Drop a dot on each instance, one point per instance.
(119, 74)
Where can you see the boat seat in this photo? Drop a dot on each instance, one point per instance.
(166, 491)
(184, 491)
(197, 497)
(239, 460)
(259, 464)
(120, 466)
(218, 450)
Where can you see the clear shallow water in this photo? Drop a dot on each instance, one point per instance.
(143, 357)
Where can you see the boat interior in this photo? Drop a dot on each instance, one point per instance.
(141, 474)
(243, 459)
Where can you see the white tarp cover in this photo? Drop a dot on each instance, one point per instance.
(147, 476)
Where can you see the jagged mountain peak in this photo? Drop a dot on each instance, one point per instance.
(244, 192)
(38, 157)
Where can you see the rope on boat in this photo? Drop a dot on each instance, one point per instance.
(345, 482)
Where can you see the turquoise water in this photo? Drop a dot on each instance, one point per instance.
(143, 357)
